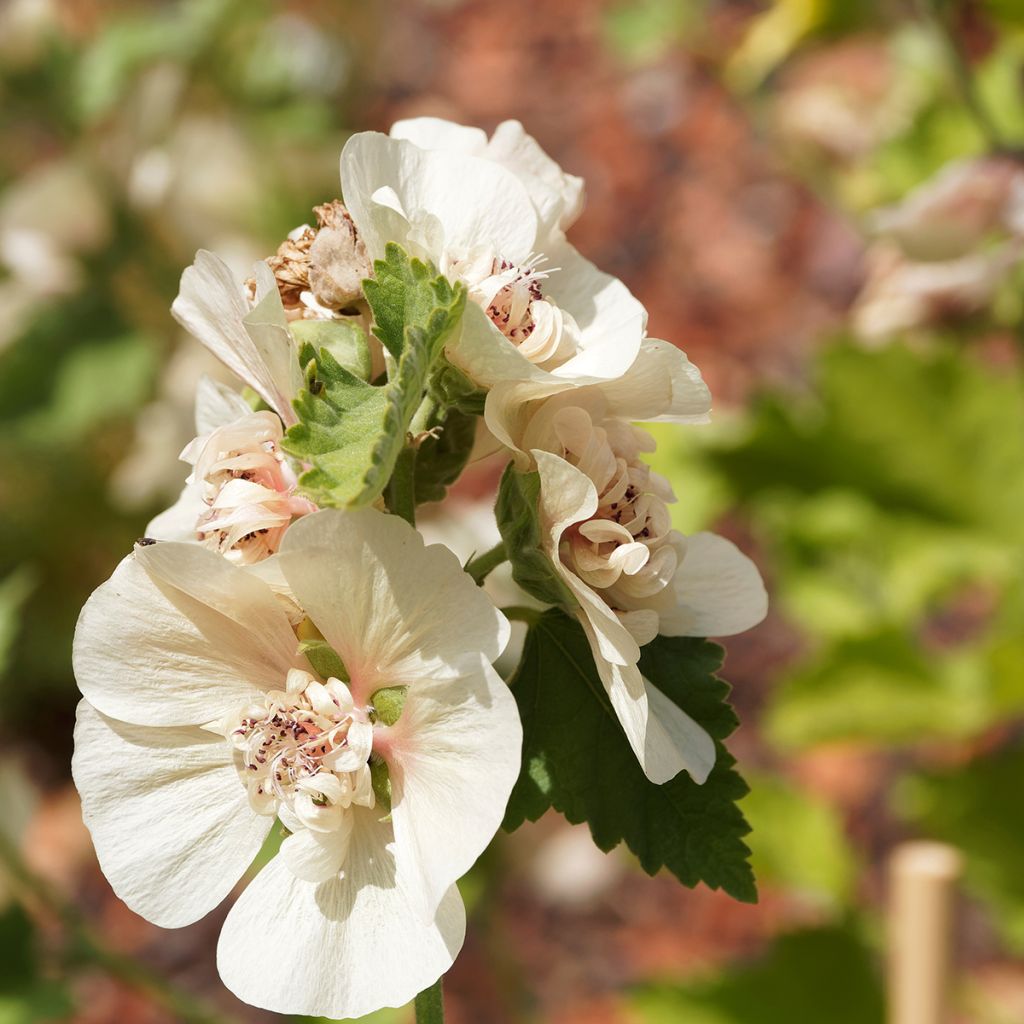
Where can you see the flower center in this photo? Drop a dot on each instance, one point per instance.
(624, 550)
(247, 486)
(512, 296)
(306, 748)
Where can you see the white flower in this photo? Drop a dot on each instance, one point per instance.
(607, 531)
(201, 722)
(250, 338)
(241, 495)
(491, 214)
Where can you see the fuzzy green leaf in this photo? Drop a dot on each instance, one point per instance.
(577, 760)
(442, 457)
(352, 432)
(342, 338)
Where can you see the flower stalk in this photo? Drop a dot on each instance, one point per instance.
(482, 565)
(430, 1004)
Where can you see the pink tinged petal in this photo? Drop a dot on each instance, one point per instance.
(180, 636)
(212, 306)
(488, 208)
(342, 948)
(454, 756)
(168, 814)
(718, 590)
(396, 611)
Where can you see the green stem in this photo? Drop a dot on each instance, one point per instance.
(520, 613)
(482, 565)
(421, 420)
(36, 892)
(402, 486)
(963, 73)
(430, 1004)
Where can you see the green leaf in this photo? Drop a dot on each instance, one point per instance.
(350, 431)
(577, 760)
(978, 809)
(442, 457)
(814, 975)
(406, 292)
(342, 338)
(324, 659)
(388, 702)
(14, 590)
(516, 513)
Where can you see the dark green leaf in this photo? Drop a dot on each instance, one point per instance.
(442, 456)
(577, 760)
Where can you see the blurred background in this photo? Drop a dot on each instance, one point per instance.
(821, 201)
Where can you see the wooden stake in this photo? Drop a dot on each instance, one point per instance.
(922, 892)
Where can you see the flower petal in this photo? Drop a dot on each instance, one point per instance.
(180, 636)
(342, 948)
(674, 742)
(211, 306)
(476, 202)
(436, 133)
(179, 521)
(718, 590)
(661, 385)
(454, 757)
(217, 405)
(317, 856)
(395, 610)
(168, 814)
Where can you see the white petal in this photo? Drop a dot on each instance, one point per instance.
(558, 196)
(317, 856)
(662, 384)
(475, 201)
(180, 636)
(718, 590)
(675, 742)
(436, 133)
(217, 405)
(612, 322)
(211, 306)
(168, 814)
(395, 610)
(454, 756)
(179, 521)
(342, 948)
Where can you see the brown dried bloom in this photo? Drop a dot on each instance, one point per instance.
(290, 264)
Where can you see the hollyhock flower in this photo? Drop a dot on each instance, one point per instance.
(201, 722)
(607, 531)
(491, 214)
(241, 495)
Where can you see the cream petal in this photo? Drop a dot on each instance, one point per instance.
(340, 949)
(487, 207)
(661, 385)
(611, 321)
(317, 856)
(179, 521)
(211, 306)
(453, 756)
(179, 636)
(718, 590)
(169, 816)
(558, 196)
(675, 742)
(217, 405)
(396, 611)
(436, 133)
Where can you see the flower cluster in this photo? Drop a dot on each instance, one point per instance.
(283, 648)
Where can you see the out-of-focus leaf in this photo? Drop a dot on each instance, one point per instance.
(978, 809)
(95, 383)
(797, 842)
(13, 591)
(824, 974)
(640, 32)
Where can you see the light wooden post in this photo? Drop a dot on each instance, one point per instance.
(922, 911)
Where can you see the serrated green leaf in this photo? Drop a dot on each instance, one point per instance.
(406, 291)
(577, 760)
(342, 338)
(516, 513)
(350, 431)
